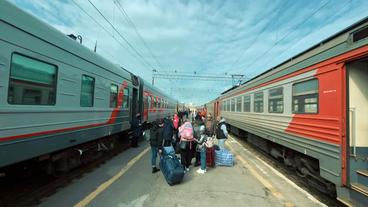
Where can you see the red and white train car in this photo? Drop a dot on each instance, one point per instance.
(156, 105)
(312, 112)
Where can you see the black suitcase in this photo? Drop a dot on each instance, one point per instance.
(172, 169)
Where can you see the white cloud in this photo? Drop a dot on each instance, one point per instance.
(202, 36)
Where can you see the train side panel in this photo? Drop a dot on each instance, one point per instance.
(275, 126)
(64, 123)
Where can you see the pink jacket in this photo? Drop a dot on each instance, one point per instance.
(186, 131)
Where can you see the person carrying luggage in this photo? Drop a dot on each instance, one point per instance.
(168, 132)
(201, 148)
(221, 132)
(156, 143)
(186, 139)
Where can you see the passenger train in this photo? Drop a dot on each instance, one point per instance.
(311, 111)
(59, 99)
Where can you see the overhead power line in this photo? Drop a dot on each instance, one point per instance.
(285, 36)
(337, 13)
(129, 20)
(277, 14)
(109, 33)
(121, 36)
(234, 78)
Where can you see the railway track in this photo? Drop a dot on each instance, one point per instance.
(290, 174)
(29, 191)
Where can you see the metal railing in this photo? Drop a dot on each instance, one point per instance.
(353, 130)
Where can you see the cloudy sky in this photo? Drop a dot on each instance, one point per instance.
(203, 36)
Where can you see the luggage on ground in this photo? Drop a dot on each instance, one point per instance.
(172, 169)
(224, 158)
(210, 157)
(169, 150)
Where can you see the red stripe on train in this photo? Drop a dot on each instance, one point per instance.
(111, 120)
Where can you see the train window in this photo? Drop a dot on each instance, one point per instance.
(258, 102)
(360, 34)
(114, 95)
(246, 104)
(149, 102)
(239, 104)
(87, 91)
(233, 104)
(276, 100)
(32, 82)
(305, 97)
(145, 102)
(126, 98)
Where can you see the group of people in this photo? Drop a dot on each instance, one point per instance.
(190, 138)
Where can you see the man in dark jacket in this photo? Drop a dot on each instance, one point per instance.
(156, 143)
(137, 129)
(168, 131)
(221, 132)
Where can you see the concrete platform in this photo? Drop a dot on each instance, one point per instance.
(127, 180)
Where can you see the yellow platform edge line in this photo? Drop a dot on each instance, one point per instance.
(109, 182)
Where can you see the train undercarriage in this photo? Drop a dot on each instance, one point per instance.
(61, 162)
(304, 166)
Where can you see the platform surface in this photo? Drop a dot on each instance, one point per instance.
(126, 180)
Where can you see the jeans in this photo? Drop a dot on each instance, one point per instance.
(154, 152)
(221, 143)
(203, 158)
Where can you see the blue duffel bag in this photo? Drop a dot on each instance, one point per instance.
(169, 150)
(224, 158)
(171, 168)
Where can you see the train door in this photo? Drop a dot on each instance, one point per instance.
(216, 109)
(146, 105)
(357, 97)
(135, 105)
(141, 100)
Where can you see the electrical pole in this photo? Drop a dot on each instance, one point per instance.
(153, 76)
(236, 79)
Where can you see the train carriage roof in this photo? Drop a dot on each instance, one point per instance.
(14, 16)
